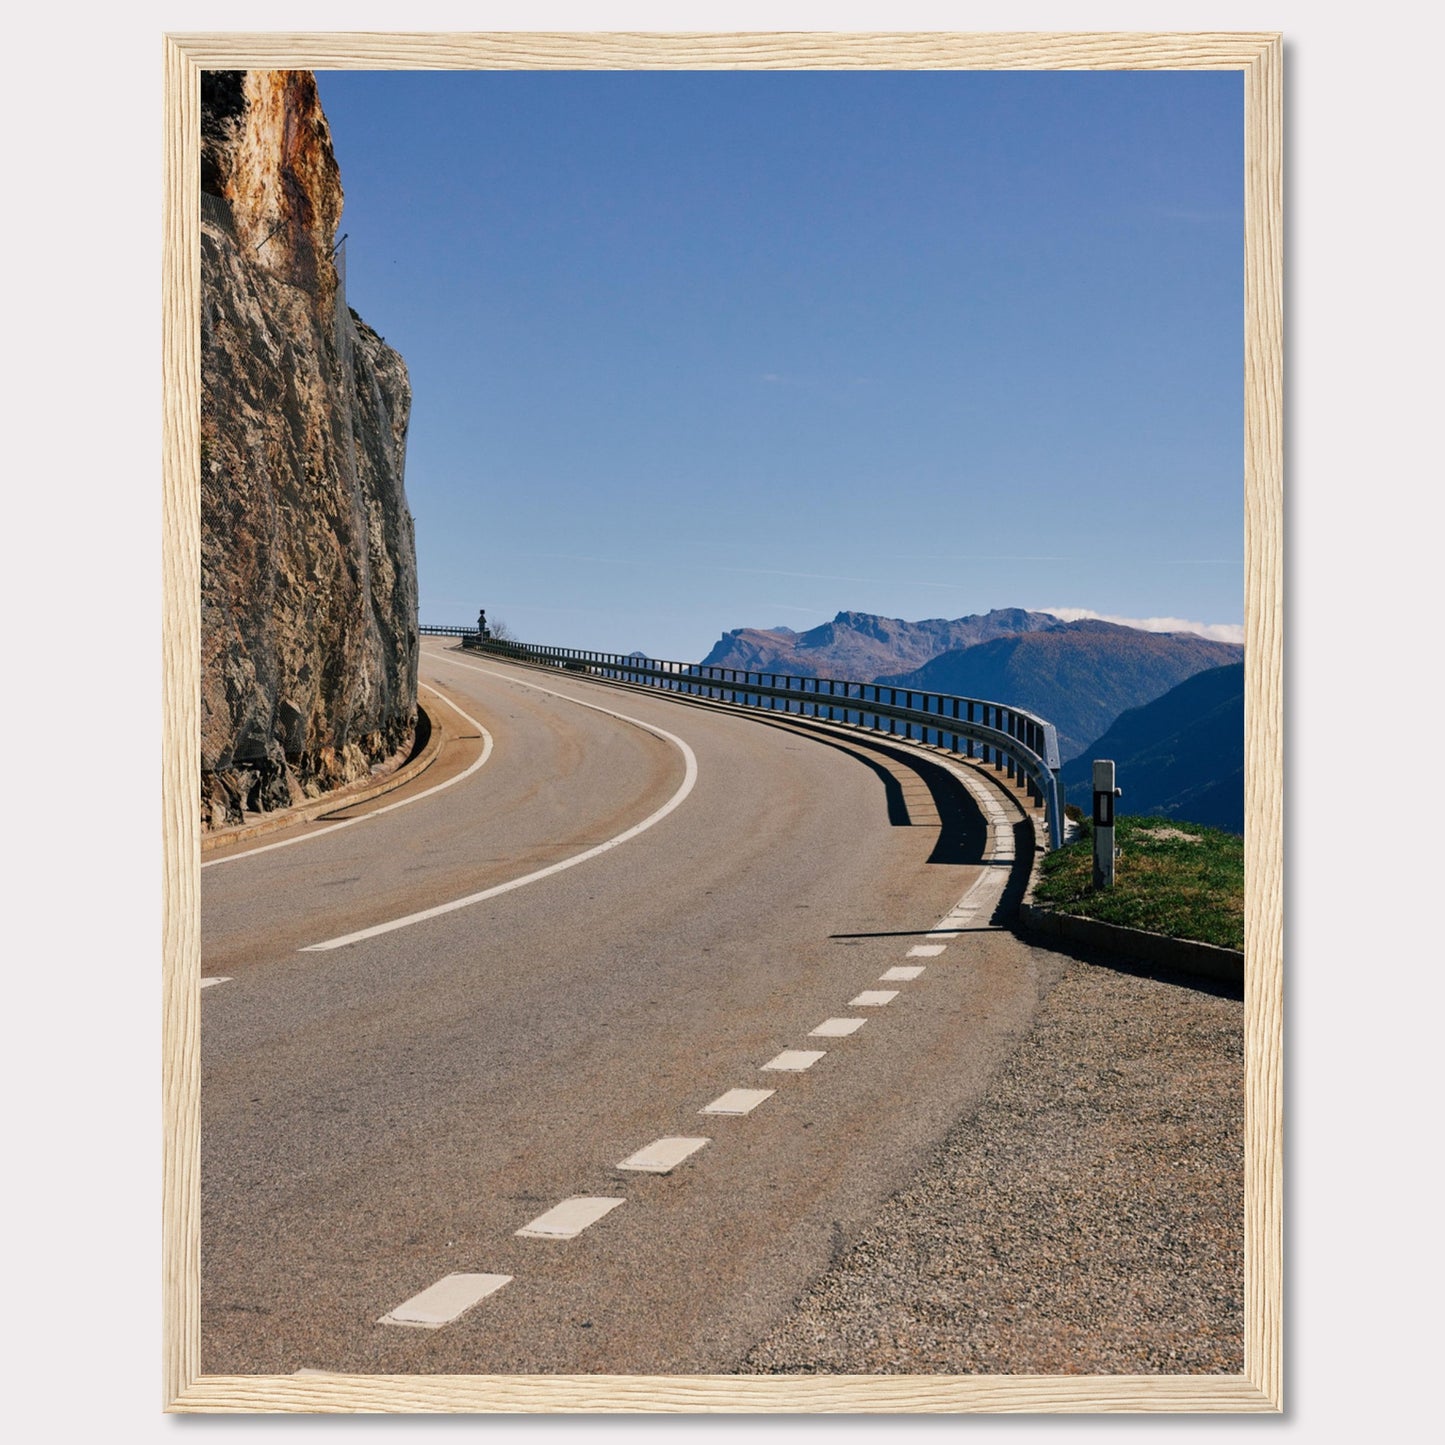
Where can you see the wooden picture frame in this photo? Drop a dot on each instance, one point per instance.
(1258, 1388)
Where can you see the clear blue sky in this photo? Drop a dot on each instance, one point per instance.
(702, 350)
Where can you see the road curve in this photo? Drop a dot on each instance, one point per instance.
(381, 1116)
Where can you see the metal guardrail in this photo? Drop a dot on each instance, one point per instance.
(1023, 744)
(428, 629)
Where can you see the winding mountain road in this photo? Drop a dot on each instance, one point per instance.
(611, 909)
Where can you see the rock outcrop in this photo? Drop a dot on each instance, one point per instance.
(308, 585)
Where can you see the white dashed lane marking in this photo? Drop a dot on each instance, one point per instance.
(836, 1028)
(794, 1061)
(662, 1156)
(738, 1101)
(568, 1219)
(452, 1296)
(446, 1300)
(210, 982)
(953, 925)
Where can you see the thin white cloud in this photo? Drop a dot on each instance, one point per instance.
(1215, 631)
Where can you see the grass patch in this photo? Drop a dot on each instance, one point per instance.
(1178, 879)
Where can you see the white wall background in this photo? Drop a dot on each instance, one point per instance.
(82, 130)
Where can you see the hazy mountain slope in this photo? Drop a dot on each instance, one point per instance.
(859, 645)
(1078, 675)
(1180, 756)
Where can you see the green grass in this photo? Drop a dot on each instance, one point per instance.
(1189, 887)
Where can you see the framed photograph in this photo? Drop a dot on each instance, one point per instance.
(720, 1033)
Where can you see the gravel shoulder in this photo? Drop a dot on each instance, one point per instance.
(1086, 1219)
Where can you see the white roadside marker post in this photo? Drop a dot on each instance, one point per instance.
(1104, 794)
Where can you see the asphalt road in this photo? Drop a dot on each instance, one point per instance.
(383, 1114)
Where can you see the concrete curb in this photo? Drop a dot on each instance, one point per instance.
(1185, 955)
(335, 802)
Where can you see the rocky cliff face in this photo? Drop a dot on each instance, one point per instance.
(308, 587)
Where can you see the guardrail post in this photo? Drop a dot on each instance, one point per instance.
(1055, 806)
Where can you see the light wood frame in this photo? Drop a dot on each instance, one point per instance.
(1258, 1388)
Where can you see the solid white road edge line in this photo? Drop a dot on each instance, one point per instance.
(999, 849)
(210, 982)
(689, 781)
(331, 828)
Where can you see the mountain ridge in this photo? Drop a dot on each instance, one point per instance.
(857, 646)
(1179, 756)
(1080, 676)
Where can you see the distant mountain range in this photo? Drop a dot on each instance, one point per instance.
(858, 646)
(1078, 675)
(1180, 756)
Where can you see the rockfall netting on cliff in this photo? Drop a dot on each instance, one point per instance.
(308, 559)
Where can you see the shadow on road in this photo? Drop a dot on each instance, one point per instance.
(1017, 886)
(962, 831)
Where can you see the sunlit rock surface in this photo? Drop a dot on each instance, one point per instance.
(308, 589)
